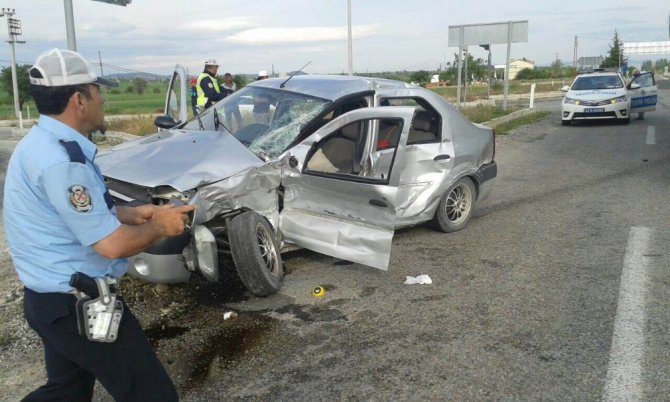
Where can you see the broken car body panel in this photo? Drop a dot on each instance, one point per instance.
(349, 215)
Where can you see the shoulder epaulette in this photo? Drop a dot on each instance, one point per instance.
(73, 151)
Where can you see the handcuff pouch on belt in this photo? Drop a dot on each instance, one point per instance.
(98, 310)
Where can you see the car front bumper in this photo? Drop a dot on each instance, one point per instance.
(571, 111)
(158, 268)
(173, 259)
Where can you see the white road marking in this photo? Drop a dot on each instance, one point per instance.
(651, 135)
(624, 373)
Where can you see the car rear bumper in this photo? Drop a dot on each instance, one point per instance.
(485, 178)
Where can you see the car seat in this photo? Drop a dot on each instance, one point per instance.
(423, 128)
(341, 149)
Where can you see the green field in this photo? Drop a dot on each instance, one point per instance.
(117, 101)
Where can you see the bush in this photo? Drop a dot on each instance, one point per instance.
(115, 92)
(135, 125)
(157, 90)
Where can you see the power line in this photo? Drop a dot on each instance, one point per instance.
(128, 70)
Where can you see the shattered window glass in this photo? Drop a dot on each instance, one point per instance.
(266, 121)
(291, 114)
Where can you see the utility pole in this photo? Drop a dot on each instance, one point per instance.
(69, 25)
(349, 45)
(69, 19)
(465, 83)
(574, 55)
(13, 30)
(100, 61)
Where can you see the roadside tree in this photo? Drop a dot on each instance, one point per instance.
(476, 68)
(421, 77)
(139, 85)
(615, 58)
(22, 80)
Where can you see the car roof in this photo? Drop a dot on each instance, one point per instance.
(600, 74)
(330, 87)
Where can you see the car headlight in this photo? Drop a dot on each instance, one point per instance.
(572, 101)
(619, 99)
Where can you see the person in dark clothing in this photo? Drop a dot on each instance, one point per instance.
(207, 86)
(193, 93)
(262, 103)
(228, 86)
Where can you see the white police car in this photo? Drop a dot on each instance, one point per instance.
(604, 95)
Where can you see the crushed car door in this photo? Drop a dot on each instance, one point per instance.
(339, 194)
(175, 98)
(644, 98)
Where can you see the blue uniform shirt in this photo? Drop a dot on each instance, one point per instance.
(54, 210)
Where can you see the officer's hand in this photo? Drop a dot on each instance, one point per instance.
(143, 214)
(171, 219)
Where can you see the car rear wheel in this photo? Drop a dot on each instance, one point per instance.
(456, 206)
(256, 254)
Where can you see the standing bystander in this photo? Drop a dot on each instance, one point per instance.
(193, 93)
(207, 87)
(228, 87)
(61, 223)
(262, 103)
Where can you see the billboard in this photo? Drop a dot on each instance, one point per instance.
(491, 33)
(633, 48)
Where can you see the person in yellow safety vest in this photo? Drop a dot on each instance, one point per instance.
(207, 87)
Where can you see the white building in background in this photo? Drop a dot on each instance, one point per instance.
(515, 65)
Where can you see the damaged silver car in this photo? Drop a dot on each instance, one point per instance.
(336, 166)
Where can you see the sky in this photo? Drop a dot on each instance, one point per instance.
(246, 36)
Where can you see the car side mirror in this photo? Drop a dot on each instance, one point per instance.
(565, 88)
(292, 161)
(633, 85)
(165, 122)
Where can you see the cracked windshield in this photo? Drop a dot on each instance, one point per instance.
(265, 121)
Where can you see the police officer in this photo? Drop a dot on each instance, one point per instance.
(208, 88)
(60, 219)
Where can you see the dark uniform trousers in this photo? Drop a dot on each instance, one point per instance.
(128, 368)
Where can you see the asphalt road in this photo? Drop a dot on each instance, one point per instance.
(558, 289)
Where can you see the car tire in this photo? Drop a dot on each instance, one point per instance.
(255, 253)
(456, 206)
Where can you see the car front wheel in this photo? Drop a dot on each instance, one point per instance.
(256, 254)
(456, 206)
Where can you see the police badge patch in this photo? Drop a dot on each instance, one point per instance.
(80, 199)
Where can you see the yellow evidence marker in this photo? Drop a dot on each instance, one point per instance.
(318, 291)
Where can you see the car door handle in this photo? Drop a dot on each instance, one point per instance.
(378, 203)
(442, 158)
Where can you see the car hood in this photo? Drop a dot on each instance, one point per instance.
(178, 158)
(596, 94)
